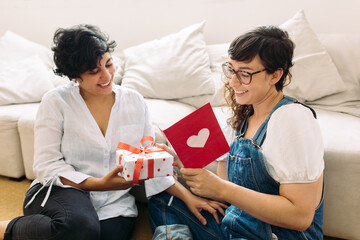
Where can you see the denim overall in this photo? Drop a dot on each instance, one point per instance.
(246, 167)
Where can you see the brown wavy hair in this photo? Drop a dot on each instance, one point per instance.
(275, 50)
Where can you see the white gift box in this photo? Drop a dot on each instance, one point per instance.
(152, 162)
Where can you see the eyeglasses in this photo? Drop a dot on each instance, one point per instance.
(243, 76)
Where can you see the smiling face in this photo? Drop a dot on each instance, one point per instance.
(98, 81)
(264, 47)
(261, 86)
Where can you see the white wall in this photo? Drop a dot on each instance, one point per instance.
(131, 22)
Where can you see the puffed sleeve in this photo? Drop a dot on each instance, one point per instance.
(293, 148)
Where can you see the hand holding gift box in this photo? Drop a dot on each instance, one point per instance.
(145, 162)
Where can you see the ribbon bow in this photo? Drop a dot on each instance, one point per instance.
(135, 150)
(143, 152)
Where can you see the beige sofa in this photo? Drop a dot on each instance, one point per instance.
(181, 72)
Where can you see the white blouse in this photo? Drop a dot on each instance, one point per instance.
(69, 143)
(293, 148)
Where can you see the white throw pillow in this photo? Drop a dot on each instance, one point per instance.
(344, 49)
(345, 52)
(118, 60)
(174, 66)
(25, 81)
(14, 47)
(56, 79)
(314, 73)
(218, 54)
(216, 100)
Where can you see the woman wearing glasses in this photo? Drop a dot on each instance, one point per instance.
(273, 174)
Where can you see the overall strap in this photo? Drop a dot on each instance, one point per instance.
(296, 101)
(312, 110)
(243, 126)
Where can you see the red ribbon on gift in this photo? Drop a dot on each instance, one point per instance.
(143, 152)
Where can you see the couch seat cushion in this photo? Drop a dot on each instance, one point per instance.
(165, 113)
(11, 162)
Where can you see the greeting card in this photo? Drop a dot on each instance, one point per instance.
(197, 138)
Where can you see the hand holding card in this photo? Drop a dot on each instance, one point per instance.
(197, 138)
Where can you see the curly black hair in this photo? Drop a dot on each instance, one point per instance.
(79, 49)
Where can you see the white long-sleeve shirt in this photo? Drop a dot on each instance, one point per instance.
(69, 143)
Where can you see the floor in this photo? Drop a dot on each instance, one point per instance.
(11, 197)
(12, 194)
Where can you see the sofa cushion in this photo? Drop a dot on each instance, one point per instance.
(24, 81)
(335, 126)
(165, 113)
(217, 99)
(314, 73)
(174, 66)
(217, 55)
(11, 162)
(341, 134)
(222, 115)
(345, 52)
(14, 47)
(26, 132)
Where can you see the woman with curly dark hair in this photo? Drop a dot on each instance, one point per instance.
(273, 174)
(78, 193)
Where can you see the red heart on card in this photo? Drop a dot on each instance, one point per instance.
(199, 140)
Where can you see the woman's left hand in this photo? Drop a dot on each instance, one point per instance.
(177, 162)
(203, 182)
